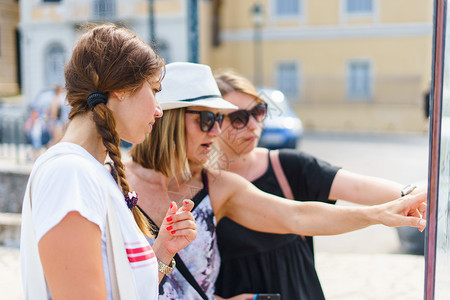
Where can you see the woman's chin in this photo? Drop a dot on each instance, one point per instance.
(134, 140)
(202, 160)
(245, 149)
(198, 160)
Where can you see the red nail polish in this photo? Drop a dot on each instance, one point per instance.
(169, 219)
(169, 228)
(172, 232)
(171, 204)
(186, 202)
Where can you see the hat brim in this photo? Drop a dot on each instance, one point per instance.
(217, 103)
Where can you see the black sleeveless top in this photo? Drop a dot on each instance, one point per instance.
(257, 262)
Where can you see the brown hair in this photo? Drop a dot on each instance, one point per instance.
(164, 148)
(106, 59)
(230, 81)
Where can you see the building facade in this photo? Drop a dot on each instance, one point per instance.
(9, 61)
(356, 65)
(49, 29)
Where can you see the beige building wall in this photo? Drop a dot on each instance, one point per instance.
(49, 30)
(396, 40)
(82, 10)
(9, 18)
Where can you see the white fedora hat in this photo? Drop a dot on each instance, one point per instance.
(189, 84)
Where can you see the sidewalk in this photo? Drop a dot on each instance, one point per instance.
(356, 276)
(343, 276)
(359, 265)
(10, 280)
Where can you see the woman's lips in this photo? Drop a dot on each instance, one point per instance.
(150, 125)
(250, 139)
(207, 146)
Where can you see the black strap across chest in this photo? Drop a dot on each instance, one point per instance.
(182, 268)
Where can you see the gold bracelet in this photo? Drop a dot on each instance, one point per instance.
(166, 269)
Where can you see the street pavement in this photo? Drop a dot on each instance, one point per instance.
(368, 263)
(365, 264)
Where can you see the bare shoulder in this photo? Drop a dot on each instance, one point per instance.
(135, 171)
(261, 152)
(223, 185)
(224, 179)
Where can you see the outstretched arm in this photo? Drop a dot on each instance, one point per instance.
(234, 197)
(366, 190)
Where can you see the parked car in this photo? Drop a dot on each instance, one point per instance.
(282, 127)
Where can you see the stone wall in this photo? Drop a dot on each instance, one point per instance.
(12, 189)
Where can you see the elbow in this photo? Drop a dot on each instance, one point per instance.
(296, 222)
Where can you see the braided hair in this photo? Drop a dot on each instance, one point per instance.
(106, 59)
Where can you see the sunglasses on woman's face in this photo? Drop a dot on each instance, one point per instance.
(239, 118)
(207, 119)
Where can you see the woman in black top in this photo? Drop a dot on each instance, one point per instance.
(256, 262)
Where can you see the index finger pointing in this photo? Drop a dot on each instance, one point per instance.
(188, 205)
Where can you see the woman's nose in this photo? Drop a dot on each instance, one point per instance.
(215, 131)
(253, 124)
(158, 111)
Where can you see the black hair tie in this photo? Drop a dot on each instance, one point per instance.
(95, 98)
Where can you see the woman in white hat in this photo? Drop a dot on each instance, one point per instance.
(306, 178)
(171, 165)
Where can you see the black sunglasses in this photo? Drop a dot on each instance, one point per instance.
(207, 119)
(239, 118)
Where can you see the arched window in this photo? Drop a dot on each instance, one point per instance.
(54, 65)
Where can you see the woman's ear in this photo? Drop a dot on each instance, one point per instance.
(119, 95)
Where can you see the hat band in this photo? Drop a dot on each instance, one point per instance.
(201, 98)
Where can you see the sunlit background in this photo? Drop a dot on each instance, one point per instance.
(349, 65)
(348, 79)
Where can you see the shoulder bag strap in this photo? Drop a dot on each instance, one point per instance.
(279, 174)
(35, 285)
(121, 277)
(281, 177)
(182, 268)
(179, 264)
(122, 286)
(188, 276)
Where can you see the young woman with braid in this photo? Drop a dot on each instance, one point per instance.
(172, 164)
(278, 263)
(111, 82)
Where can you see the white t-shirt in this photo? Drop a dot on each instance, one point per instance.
(73, 180)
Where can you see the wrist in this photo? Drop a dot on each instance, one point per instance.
(373, 215)
(162, 254)
(408, 189)
(166, 269)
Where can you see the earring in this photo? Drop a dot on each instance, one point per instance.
(121, 97)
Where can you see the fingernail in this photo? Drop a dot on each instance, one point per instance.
(186, 202)
(169, 219)
(172, 232)
(423, 222)
(169, 228)
(171, 204)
